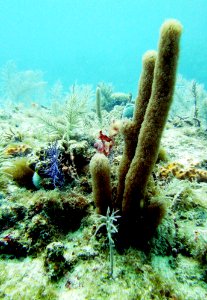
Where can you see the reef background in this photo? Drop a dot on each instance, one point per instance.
(48, 245)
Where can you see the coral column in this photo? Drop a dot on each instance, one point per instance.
(154, 121)
(131, 129)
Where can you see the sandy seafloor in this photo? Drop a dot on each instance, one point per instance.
(174, 268)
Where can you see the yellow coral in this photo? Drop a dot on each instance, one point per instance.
(17, 150)
(179, 171)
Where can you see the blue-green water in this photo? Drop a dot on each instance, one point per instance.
(88, 41)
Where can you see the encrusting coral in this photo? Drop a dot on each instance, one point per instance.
(142, 138)
(180, 172)
(17, 150)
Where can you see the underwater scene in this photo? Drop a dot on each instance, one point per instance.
(103, 160)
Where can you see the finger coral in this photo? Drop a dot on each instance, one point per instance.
(142, 138)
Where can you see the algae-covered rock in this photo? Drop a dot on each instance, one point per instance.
(54, 262)
(10, 214)
(12, 245)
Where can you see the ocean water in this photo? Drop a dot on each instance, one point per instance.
(90, 41)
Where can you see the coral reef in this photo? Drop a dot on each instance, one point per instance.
(49, 213)
(60, 164)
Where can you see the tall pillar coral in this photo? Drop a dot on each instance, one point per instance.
(154, 121)
(101, 182)
(142, 140)
(130, 129)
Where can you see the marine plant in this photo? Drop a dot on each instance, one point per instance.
(21, 85)
(57, 92)
(36, 285)
(195, 99)
(106, 89)
(67, 119)
(2, 157)
(189, 102)
(108, 221)
(12, 135)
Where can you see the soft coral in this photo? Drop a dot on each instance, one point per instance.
(105, 144)
(53, 171)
